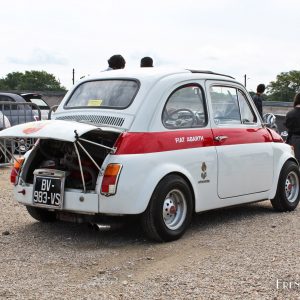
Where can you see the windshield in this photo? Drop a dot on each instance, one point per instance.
(104, 93)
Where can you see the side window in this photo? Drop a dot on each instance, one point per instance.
(248, 116)
(225, 105)
(185, 108)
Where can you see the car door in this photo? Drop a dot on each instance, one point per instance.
(243, 145)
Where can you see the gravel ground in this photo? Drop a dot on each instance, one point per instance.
(247, 252)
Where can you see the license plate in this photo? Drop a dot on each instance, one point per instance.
(48, 189)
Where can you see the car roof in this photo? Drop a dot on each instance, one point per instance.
(16, 97)
(28, 96)
(157, 73)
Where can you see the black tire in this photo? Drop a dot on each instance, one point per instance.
(287, 194)
(170, 210)
(41, 214)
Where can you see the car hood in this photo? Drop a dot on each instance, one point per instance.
(52, 129)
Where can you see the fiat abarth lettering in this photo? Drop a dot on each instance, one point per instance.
(155, 143)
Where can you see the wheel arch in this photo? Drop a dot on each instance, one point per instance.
(277, 172)
(181, 174)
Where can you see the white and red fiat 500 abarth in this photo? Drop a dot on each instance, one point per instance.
(160, 144)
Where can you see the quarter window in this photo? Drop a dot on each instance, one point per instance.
(247, 114)
(185, 108)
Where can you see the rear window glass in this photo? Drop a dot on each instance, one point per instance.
(104, 94)
(39, 102)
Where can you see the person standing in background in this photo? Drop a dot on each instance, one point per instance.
(146, 62)
(116, 62)
(258, 98)
(292, 123)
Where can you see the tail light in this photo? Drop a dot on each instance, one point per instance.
(15, 170)
(110, 179)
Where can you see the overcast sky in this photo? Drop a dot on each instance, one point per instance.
(259, 38)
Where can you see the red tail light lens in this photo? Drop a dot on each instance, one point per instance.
(110, 179)
(15, 170)
(13, 176)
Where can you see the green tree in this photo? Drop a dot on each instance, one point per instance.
(11, 81)
(31, 80)
(284, 88)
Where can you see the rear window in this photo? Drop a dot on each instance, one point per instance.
(39, 102)
(104, 94)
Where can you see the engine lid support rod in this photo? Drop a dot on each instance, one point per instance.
(90, 157)
(80, 166)
(97, 144)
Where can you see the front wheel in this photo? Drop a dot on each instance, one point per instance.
(170, 209)
(287, 194)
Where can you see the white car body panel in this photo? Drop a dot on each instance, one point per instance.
(242, 165)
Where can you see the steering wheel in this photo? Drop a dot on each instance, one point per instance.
(182, 117)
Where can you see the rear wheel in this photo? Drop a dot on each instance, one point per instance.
(287, 194)
(169, 211)
(41, 214)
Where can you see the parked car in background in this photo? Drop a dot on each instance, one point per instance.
(39, 101)
(15, 108)
(4, 123)
(158, 144)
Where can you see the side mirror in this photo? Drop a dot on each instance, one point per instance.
(269, 120)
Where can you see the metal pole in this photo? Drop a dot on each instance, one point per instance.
(73, 75)
(245, 80)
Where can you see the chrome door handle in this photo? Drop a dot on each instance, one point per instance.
(220, 138)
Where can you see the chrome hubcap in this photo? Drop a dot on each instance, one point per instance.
(174, 209)
(291, 187)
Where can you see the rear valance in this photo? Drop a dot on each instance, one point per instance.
(52, 129)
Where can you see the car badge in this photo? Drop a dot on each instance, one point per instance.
(204, 174)
(203, 168)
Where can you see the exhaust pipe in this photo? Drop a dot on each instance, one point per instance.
(102, 227)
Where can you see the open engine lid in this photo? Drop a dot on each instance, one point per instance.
(52, 129)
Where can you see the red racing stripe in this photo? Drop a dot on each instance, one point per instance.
(151, 142)
(237, 136)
